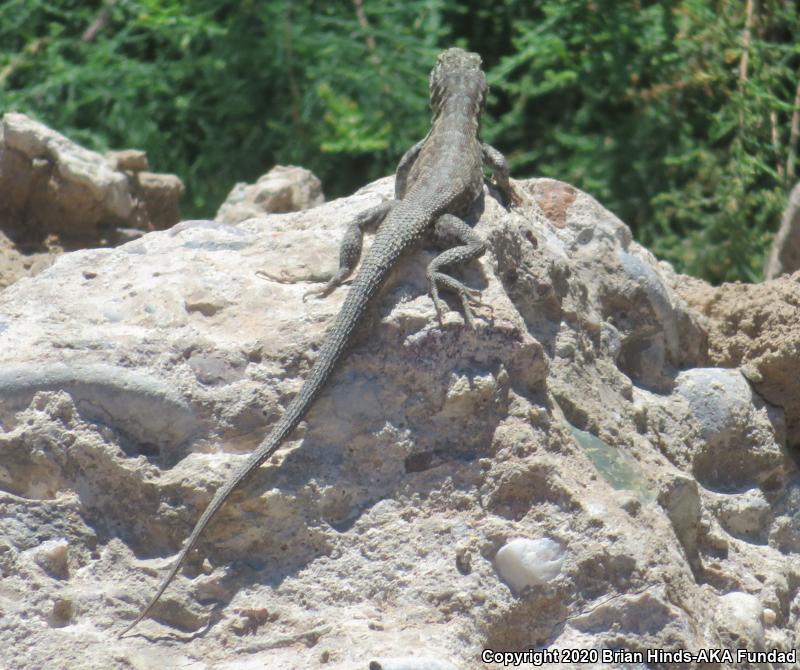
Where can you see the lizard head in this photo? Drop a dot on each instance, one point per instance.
(458, 74)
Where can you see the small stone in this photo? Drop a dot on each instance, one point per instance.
(523, 562)
(61, 612)
(250, 619)
(744, 515)
(51, 556)
(463, 560)
(282, 189)
(631, 504)
(411, 663)
(768, 616)
(133, 160)
(740, 614)
(479, 597)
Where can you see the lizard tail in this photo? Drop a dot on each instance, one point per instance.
(214, 506)
(338, 336)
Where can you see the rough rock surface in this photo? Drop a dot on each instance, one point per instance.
(580, 411)
(285, 188)
(756, 327)
(784, 257)
(56, 195)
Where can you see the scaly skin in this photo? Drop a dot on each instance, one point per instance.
(438, 180)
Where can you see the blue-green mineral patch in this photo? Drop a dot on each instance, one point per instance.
(620, 470)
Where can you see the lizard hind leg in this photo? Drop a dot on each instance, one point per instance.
(350, 249)
(469, 245)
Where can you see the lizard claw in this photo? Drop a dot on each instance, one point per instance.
(330, 286)
(514, 198)
(319, 293)
(511, 195)
(468, 296)
(326, 290)
(266, 275)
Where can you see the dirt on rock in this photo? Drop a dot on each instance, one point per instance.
(755, 327)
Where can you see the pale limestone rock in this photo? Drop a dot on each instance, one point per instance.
(746, 515)
(581, 408)
(57, 195)
(285, 188)
(75, 164)
(131, 160)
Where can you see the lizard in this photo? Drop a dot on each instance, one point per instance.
(436, 183)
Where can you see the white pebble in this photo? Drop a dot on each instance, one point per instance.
(740, 614)
(410, 663)
(522, 562)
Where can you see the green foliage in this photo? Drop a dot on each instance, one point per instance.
(221, 91)
(644, 104)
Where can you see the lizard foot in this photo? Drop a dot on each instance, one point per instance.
(468, 297)
(510, 196)
(326, 290)
(335, 282)
(319, 292)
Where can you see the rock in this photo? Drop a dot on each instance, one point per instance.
(523, 562)
(51, 556)
(746, 515)
(285, 188)
(56, 195)
(768, 616)
(727, 414)
(131, 160)
(411, 663)
(784, 256)
(583, 408)
(681, 500)
(754, 327)
(79, 184)
(61, 613)
(739, 616)
(158, 196)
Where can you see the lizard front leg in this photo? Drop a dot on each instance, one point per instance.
(350, 249)
(469, 245)
(499, 167)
